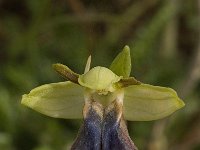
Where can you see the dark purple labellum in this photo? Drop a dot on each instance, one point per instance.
(89, 137)
(103, 129)
(114, 131)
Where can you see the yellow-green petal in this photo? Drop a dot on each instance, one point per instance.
(66, 73)
(121, 65)
(99, 78)
(59, 100)
(146, 102)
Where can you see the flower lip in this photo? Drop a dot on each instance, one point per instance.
(100, 79)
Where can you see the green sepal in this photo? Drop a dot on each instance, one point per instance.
(146, 102)
(121, 65)
(99, 78)
(58, 100)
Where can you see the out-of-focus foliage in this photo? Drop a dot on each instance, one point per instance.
(163, 36)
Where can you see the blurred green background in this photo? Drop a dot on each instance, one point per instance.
(164, 37)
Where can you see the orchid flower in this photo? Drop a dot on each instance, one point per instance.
(139, 101)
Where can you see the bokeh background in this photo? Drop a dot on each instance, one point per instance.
(164, 37)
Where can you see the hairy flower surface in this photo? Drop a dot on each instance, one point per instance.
(141, 102)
